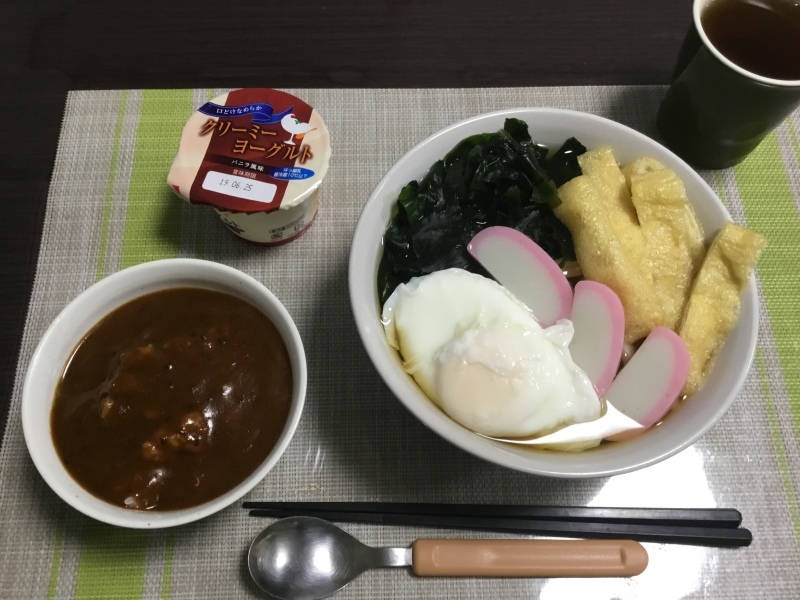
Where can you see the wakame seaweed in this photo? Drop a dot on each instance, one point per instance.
(563, 165)
(501, 178)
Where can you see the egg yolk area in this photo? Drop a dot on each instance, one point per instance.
(505, 381)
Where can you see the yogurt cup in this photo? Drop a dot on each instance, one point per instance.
(258, 157)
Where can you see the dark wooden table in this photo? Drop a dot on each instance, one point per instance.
(50, 47)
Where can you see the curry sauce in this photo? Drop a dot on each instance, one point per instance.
(172, 399)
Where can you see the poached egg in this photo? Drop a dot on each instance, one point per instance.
(480, 355)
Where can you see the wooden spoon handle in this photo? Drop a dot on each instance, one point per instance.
(528, 558)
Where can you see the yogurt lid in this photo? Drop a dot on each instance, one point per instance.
(251, 150)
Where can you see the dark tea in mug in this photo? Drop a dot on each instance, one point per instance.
(761, 36)
(737, 78)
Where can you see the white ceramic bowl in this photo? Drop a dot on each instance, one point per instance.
(552, 127)
(81, 315)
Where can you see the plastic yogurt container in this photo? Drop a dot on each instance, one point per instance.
(258, 157)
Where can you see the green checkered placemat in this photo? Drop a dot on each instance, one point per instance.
(109, 208)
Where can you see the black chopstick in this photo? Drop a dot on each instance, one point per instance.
(666, 534)
(694, 517)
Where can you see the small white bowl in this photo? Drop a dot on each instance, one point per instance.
(552, 127)
(81, 315)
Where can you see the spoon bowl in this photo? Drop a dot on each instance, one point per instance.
(304, 558)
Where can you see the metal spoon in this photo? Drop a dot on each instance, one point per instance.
(305, 558)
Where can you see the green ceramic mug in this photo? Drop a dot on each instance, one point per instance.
(715, 112)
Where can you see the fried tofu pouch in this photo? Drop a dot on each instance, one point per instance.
(601, 168)
(673, 237)
(712, 310)
(603, 256)
(640, 166)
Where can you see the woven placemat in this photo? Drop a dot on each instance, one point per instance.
(109, 208)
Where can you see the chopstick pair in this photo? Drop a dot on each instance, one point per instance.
(693, 526)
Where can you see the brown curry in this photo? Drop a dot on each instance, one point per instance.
(172, 399)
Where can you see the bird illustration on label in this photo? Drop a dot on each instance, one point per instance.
(295, 127)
